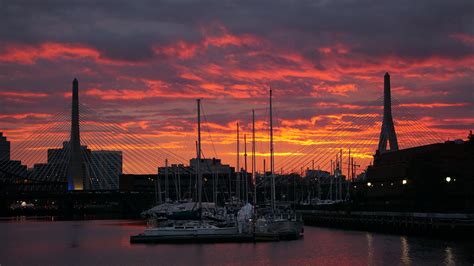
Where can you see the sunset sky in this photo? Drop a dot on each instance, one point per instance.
(142, 64)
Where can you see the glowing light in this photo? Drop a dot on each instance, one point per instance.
(369, 184)
(448, 179)
(404, 181)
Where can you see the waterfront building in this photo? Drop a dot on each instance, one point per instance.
(101, 168)
(436, 176)
(9, 168)
(178, 181)
(137, 182)
(4, 148)
(105, 169)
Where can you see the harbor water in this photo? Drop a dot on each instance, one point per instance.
(107, 242)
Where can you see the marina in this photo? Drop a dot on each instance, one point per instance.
(197, 221)
(234, 133)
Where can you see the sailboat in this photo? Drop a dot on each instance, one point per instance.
(189, 229)
(282, 221)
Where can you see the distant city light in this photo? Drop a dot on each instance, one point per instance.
(448, 179)
(404, 181)
(369, 184)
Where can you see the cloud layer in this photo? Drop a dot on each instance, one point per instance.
(142, 64)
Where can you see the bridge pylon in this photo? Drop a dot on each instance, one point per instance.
(76, 171)
(387, 133)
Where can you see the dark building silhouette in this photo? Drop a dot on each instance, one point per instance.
(57, 167)
(9, 168)
(435, 177)
(101, 168)
(4, 148)
(177, 179)
(137, 182)
(105, 169)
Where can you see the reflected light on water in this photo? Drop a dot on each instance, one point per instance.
(449, 256)
(405, 254)
(108, 243)
(370, 249)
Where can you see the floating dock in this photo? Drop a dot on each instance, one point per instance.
(237, 238)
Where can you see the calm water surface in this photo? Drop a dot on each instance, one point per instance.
(107, 243)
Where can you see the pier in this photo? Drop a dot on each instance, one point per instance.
(415, 223)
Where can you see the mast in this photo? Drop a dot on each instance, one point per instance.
(157, 189)
(175, 178)
(349, 165)
(264, 182)
(167, 183)
(254, 168)
(199, 156)
(340, 175)
(330, 181)
(216, 185)
(245, 169)
(214, 180)
(179, 183)
(195, 196)
(319, 182)
(158, 184)
(237, 171)
(272, 166)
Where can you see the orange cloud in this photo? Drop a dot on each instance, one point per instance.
(29, 54)
(432, 105)
(341, 90)
(129, 94)
(22, 94)
(180, 49)
(23, 116)
(220, 39)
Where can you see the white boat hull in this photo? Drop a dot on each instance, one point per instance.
(190, 231)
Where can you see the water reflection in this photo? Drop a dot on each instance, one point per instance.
(405, 254)
(75, 235)
(370, 249)
(107, 243)
(449, 256)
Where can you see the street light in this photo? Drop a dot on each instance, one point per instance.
(404, 181)
(448, 179)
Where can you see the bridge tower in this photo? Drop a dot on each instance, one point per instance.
(76, 171)
(388, 129)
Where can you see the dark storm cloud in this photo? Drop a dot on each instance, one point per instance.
(127, 30)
